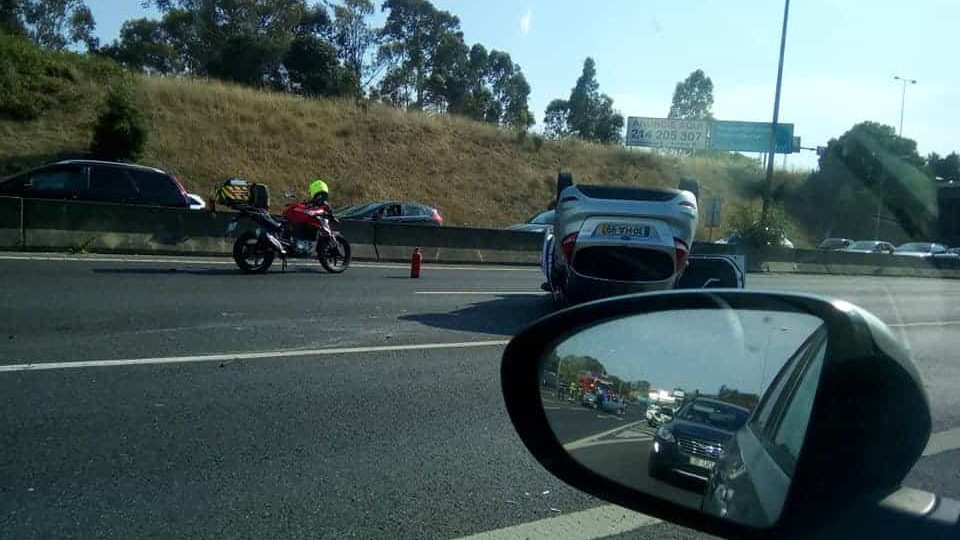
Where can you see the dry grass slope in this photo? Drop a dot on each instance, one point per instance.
(477, 174)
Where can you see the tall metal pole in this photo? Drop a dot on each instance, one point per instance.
(768, 187)
(903, 96)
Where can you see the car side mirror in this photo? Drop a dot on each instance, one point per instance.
(755, 447)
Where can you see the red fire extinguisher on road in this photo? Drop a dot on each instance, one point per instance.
(415, 262)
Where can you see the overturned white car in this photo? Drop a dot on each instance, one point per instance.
(612, 240)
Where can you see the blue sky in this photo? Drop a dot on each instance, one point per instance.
(840, 62)
(740, 349)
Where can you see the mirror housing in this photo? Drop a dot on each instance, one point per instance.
(868, 389)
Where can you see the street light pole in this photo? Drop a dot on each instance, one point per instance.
(903, 96)
(768, 186)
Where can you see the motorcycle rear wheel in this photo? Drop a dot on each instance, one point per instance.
(330, 257)
(251, 255)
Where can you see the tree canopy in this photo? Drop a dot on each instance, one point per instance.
(866, 172)
(693, 98)
(50, 23)
(586, 114)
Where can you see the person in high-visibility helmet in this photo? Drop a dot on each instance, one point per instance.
(319, 192)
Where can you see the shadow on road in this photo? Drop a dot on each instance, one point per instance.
(203, 271)
(504, 315)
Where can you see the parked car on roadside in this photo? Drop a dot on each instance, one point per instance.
(870, 246)
(920, 249)
(734, 238)
(537, 223)
(835, 244)
(393, 212)
(951, 254)
(98, 181)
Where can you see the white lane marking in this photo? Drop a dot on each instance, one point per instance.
(487, 293)
(66, 258)
(246, 356)
(942, 441)
(586, 441)
(599, 522)
(922, 324)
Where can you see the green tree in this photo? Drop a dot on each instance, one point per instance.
(869, 170)
(120, 133)
(53, 23)
(693, 98)
(946, 168)
(588, 114)
(238, 40)
(412, 37)
(144, 46)
(608, 125)
(556, 119)
(584, 100)
(10, 22)
(313, 69)
(356, 41)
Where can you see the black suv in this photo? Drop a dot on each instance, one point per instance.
(693, 440)
(97, 181)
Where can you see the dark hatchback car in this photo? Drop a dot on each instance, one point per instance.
(691, 443)
(392, 212)
(97, 181)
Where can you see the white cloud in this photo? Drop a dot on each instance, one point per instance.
(525, 20)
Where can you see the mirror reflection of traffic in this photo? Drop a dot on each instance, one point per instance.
(665, 427)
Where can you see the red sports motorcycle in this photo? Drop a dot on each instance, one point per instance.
(302, 231)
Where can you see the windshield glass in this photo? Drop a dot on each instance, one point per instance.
(231, 368)
(545, 218)
(361, 210)
(715, 415)
(833, 243)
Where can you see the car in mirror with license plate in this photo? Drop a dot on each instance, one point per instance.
(755, 447)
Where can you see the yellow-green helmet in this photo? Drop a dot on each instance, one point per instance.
(317, 187)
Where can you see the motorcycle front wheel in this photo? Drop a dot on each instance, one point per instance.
(251, 255)
(335, 260)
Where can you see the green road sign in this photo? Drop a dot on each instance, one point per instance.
(750, 136)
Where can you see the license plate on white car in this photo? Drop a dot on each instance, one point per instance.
(622, 229)
(702, 463)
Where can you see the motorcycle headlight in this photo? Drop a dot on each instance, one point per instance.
(665, 434)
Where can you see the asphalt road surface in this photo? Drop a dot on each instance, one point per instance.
(367, 405)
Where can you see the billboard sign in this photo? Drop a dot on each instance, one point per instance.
(667, 133)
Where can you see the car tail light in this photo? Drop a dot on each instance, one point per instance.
(436, 216)
(683, 250)
(567, 244)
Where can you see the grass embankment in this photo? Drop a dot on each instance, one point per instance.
(477, 174)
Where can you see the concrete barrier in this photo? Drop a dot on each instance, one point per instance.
(10, 225)
(458, 244)
(35, 224)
